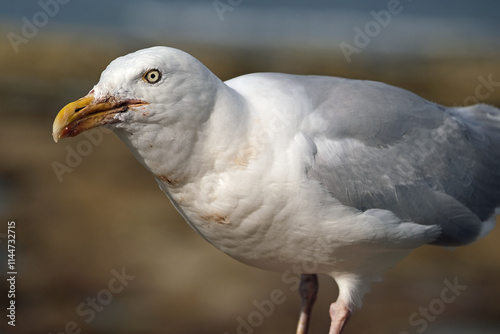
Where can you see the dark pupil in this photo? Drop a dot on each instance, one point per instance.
(152, 76)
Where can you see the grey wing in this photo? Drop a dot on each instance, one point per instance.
(383, 147)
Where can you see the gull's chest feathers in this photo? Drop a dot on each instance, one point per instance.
(247, 210)
(223, 201)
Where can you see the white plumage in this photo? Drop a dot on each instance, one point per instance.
(275, 170)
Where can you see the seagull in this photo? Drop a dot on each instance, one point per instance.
(333, 176)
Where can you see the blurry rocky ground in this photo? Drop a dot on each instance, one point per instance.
(109, 214)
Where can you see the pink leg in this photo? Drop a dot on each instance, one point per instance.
(308, 291)
(340, 314)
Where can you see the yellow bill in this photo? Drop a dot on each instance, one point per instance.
(87, 113)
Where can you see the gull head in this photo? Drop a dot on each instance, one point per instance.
(154, 88)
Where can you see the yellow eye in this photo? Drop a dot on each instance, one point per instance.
(152, 76)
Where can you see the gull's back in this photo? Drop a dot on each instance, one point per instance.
(381, 147)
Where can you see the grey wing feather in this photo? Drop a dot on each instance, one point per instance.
(379, 146)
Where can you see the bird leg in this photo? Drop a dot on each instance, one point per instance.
(340, 314)
(308, 291)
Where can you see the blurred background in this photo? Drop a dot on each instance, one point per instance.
(99, 248)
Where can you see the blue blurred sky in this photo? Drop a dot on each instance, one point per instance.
(422, 26)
